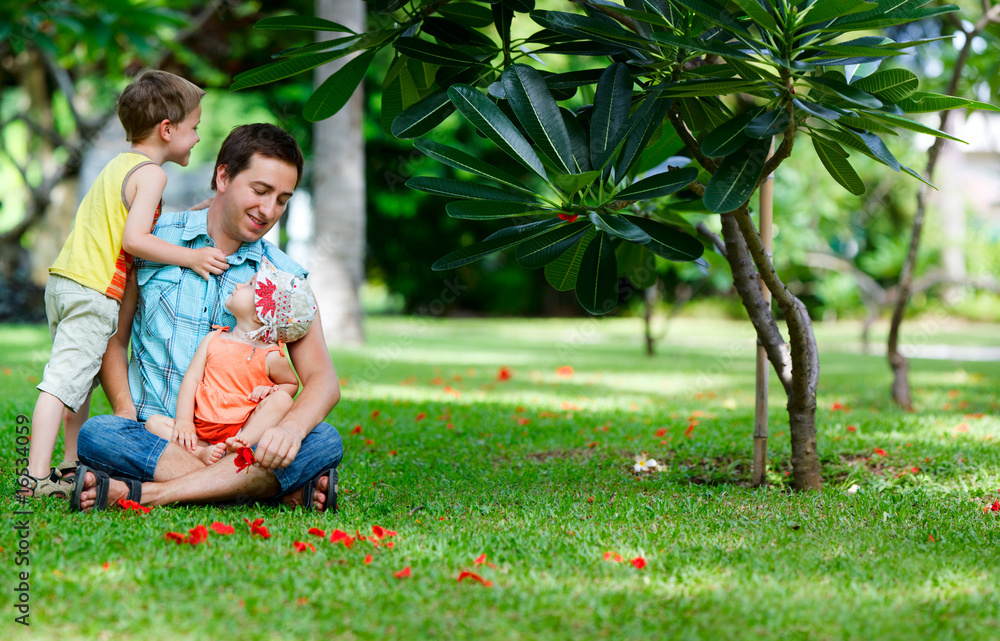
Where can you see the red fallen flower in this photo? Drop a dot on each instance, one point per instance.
(302, 547)
(356, 430)
(638, 562)
(661, 432)
(380, 532)
(504, 374)
(105, 565)
(613, 556)
(390, 544)
(995, 507)
(565, 371)
(421, 416)
(851, 428)
(368, 559)
(839, 406)
(197, 534)
(317, 532)
(930, 538)
(375, 413)
(127, 505)
(475, 577)
(689, 431)
(174, 536)
(222, 528)
(480, 559)
(568, 217)
(258, 528)
(244, 459)
(339, 536)
(880, 451)
(359, 536)
(405, 572)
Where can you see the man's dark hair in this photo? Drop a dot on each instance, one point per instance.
(261, 138)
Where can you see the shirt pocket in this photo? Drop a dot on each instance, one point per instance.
(158, 293)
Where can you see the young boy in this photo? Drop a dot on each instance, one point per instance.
(239, 383)
(160, 113)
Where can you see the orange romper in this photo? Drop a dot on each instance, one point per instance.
(222, 402)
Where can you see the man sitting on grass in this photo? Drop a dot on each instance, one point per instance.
(258, 168)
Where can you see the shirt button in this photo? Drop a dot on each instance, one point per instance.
(205, 310)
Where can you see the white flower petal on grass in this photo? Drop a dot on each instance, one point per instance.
(853, 489)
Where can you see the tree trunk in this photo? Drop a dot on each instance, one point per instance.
(796, 363)
(337, 264)
(897, 362)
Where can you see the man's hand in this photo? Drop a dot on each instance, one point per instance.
(208, 260)
(205, 204)
(261, 391)
(277, 448)
(184, 435)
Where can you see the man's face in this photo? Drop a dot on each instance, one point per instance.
(254, 199)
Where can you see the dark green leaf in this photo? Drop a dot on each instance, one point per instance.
(767, 124)
(879, 19)
(917, 176)
(466, 189)
(619, 226)
(668, 242)
(834, 158)
(729, 136)
(899, 121)
(820, 111)
(736, 179)
(493, 124)
(611, 107)
(419, 118)
(303, 23)
(587, 28)
(867, 143)
(572, 183)
(597, 280)
(573, 79)
(489, 209)
(543, 249)
(466, 162)
(889, 85)
(434, 53)
(579, 140)
(712, 87)
(845, 91)
(500, 240)
(759, 14)
(644, 123)
(399, 91)
(561, 273)
(659, 185)
(922, 102)
(468, 14)
(539, 114)
(637, 263)
(702, 46)
(282, 69)
(336, 90)
(823, 10)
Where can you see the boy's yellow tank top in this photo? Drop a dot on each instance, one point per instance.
(93, 254)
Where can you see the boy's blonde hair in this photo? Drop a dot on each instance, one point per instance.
(155, 96)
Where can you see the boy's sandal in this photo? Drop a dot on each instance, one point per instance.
(331, 490)
(65, 470)
(38, 487)
(103, 485)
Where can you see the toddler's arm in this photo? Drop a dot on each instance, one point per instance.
(184, 433)
(280, 371)
(138, 238)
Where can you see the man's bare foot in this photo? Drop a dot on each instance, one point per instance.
(211, 453)
(234, 443)
(296, 498)
(116, 490)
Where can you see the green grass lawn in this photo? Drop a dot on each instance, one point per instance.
(535, 473)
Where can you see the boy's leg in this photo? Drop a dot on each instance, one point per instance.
(162, 426)
(72, 422)
(45, 422)
(267, 414)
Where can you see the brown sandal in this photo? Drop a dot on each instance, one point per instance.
(66, 470)
(32, 487)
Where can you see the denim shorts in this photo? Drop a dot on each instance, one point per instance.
(124, 449)
(81, 320)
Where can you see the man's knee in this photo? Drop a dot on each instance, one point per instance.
(326, 438)
(97, 430)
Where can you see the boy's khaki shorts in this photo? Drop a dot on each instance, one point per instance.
(81, 320)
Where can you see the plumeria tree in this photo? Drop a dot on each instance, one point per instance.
(694, 105)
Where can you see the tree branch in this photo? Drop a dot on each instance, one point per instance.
(611, 13)
(720, 245)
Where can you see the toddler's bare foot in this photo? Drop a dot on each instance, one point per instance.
(234, 443)
(211, 453)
